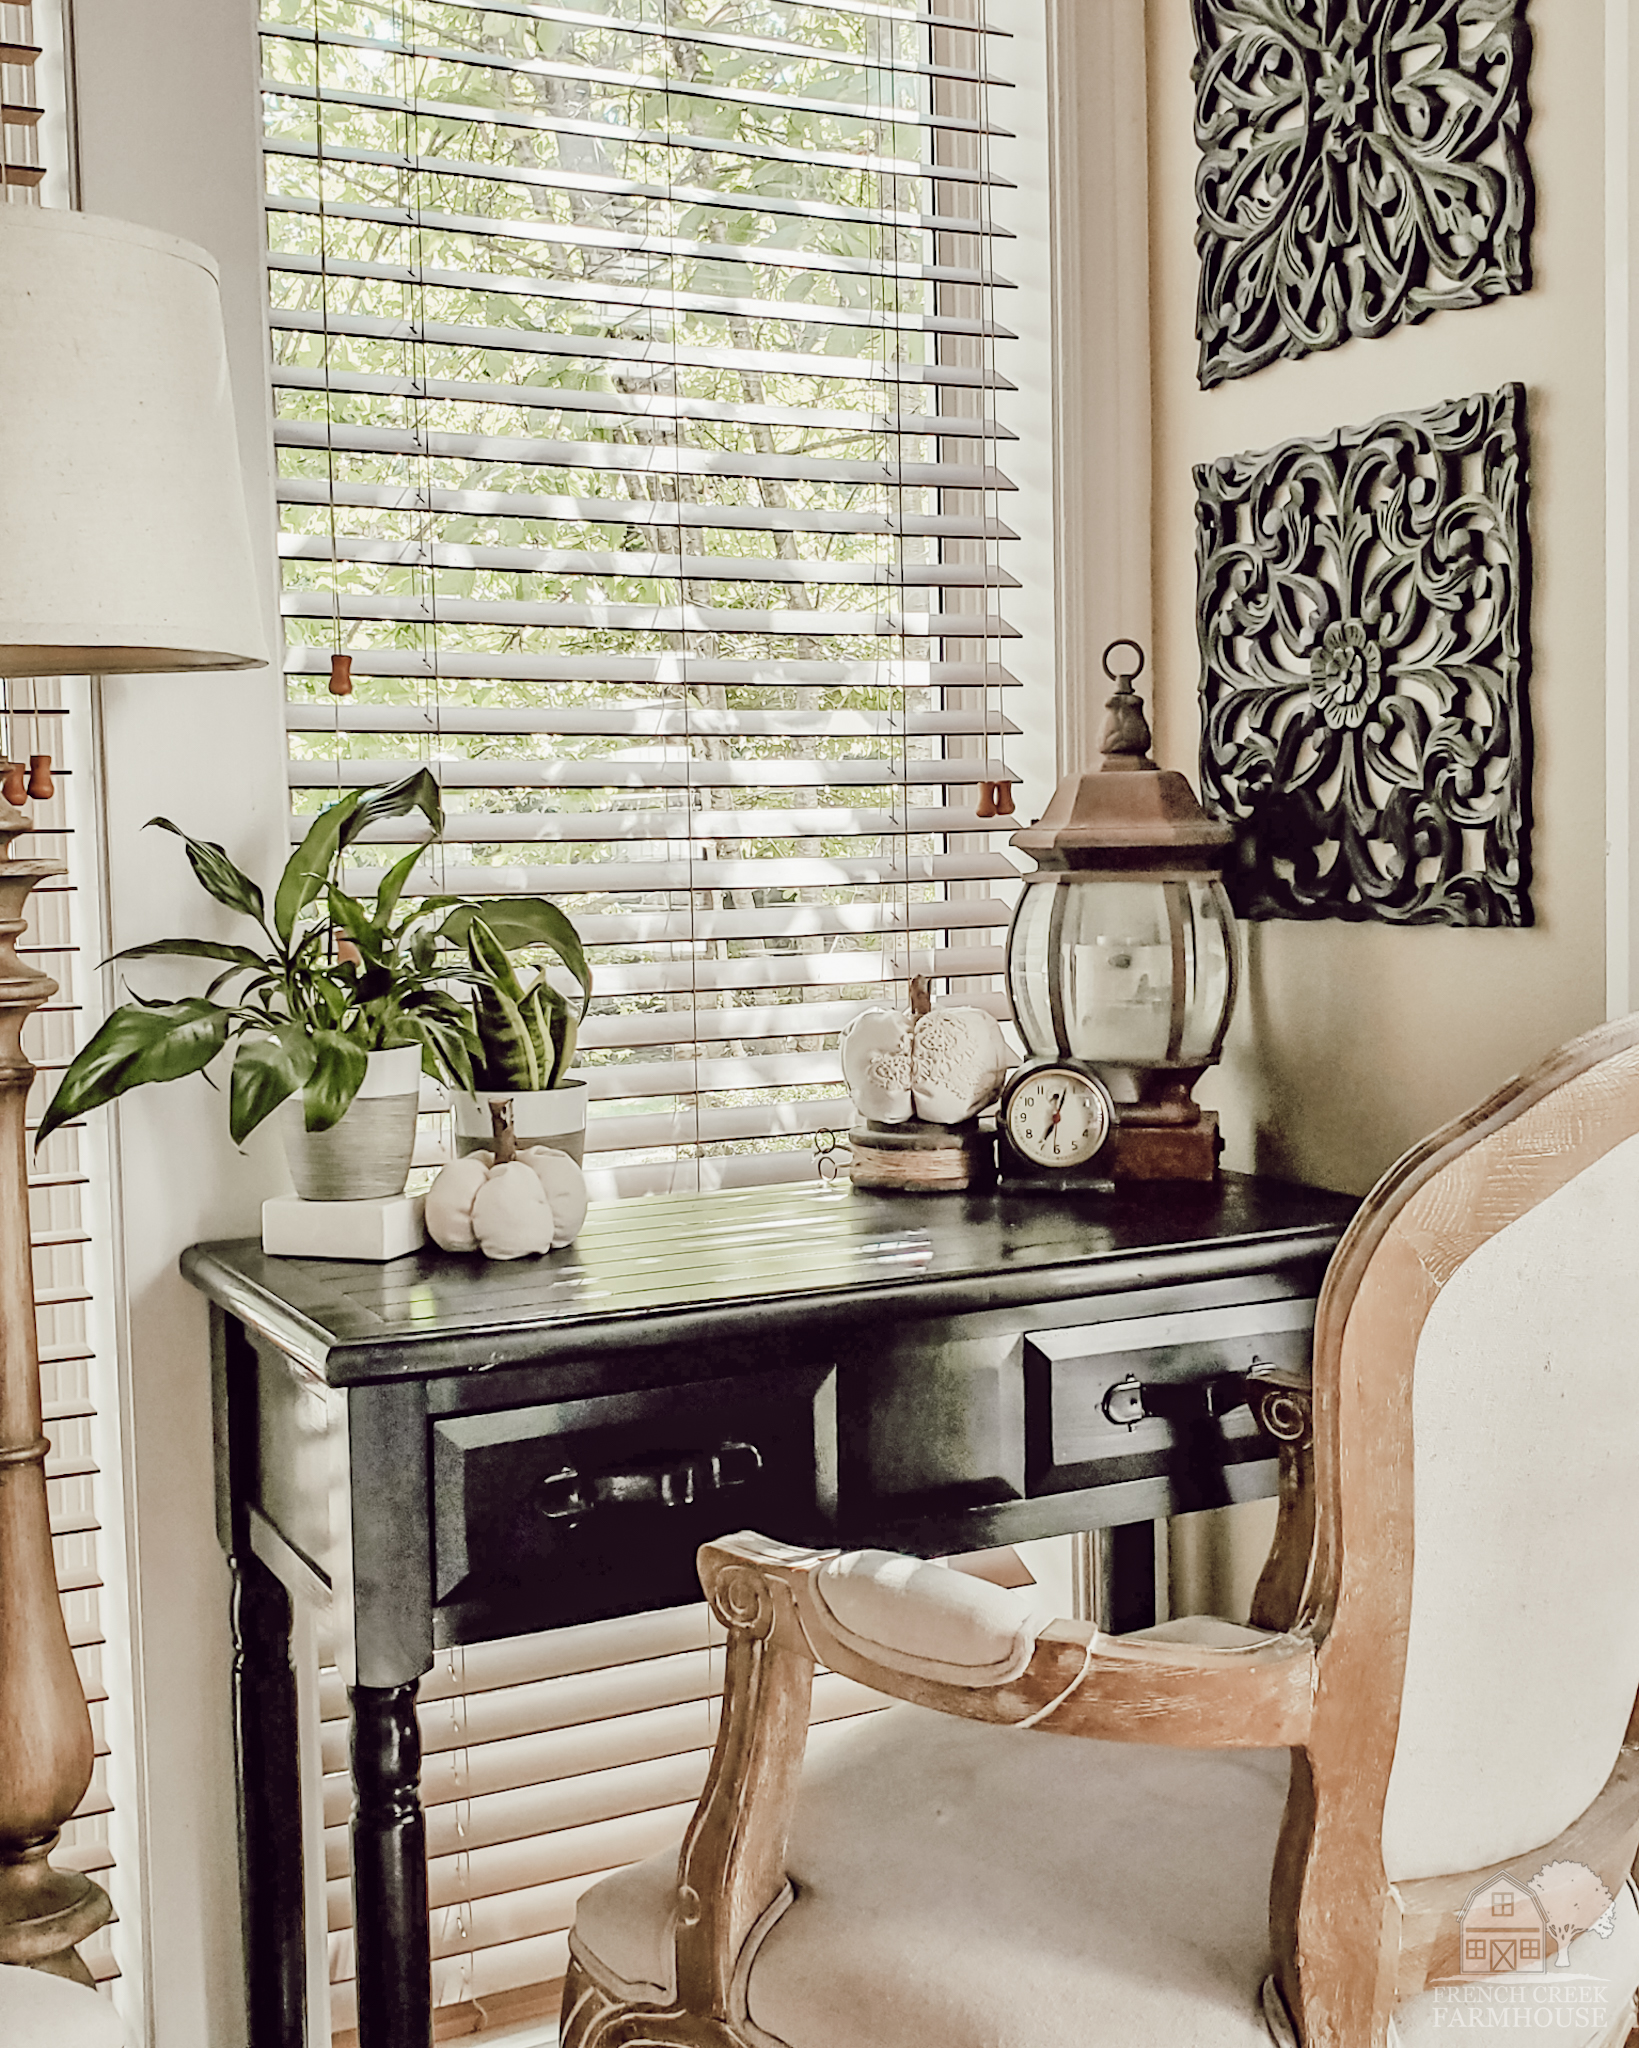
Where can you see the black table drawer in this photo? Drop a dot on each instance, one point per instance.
(574, 1510)
(1161, 1399)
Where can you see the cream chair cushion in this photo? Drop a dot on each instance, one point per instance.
(1523, 1655)
(980, 1887)
(923, 1619)
(37, 2011)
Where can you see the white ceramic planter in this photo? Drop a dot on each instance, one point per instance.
(367, 1154)
(540, 1116)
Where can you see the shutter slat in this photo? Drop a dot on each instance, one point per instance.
(699, 828)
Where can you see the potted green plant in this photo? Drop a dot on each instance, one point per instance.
(526, 1036)
(335, 1009)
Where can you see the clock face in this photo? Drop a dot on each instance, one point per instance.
(1057, 1117)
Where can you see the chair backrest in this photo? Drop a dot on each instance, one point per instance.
(1477, 1474)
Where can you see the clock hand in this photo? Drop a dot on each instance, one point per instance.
(1058, 1108)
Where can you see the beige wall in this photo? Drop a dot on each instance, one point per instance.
(1352, 1041)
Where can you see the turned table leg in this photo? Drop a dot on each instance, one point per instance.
(264, 1686)
(390, 1928)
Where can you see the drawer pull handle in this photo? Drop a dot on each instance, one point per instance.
(676, 1482)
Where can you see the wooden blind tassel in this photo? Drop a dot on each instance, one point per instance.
(40, 785)
(985, 807)
(341, 675)
(1004, 799)
(14, 786)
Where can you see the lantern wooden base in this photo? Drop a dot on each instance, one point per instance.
(1166, 1151)
(922, 1158)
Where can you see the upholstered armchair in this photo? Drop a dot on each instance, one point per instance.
(1314, 1831)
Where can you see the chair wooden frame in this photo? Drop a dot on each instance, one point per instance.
(1348, 1945)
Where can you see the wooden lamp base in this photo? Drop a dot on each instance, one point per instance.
(1166, 1151)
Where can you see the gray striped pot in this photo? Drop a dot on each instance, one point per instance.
(367, 1154)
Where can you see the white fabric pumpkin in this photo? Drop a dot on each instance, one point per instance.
(943, 1067)
(535, 1202)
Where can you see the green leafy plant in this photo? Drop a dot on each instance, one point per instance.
(332, 978)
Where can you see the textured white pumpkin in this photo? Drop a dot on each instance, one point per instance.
(943, 1067)
(876, 1063)
(535, 1202)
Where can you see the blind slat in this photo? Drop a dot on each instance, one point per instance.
(560, 178)
(506, 228)
(684, 353)
(640, 770)
(660, 721)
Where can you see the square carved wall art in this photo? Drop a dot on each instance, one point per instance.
(1362, 164)
(1363, 612)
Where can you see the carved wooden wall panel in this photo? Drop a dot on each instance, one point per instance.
(1362, 164)
(1364, 631)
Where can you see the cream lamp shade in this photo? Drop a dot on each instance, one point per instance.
(124, 544)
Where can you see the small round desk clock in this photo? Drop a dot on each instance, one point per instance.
(1055, 1125)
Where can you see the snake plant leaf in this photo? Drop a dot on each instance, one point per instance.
(266, 1072)
(338, 1069)
(490, 960)
(218, 875)
(526, 922)
(138, 1043)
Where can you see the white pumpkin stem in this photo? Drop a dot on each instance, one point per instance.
(921, 995)
(500, 1122)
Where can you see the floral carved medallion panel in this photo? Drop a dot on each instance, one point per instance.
(1362, 164)
(1363, 612)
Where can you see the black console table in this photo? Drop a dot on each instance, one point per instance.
(446, 1451)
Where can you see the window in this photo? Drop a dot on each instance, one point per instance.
(641, 382)
(637, 380)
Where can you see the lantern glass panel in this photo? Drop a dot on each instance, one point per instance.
(1092, 965)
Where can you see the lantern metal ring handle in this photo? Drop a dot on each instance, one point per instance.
(1118, 675)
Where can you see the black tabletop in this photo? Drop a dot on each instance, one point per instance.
(643, 1269)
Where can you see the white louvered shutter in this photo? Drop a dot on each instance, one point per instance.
(637, 408)
(22, 167)
(67, 1197)
(68, 1192)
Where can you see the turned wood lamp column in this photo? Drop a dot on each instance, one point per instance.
(45, 1729)
(124, 548)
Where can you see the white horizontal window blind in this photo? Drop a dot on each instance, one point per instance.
(22, 169)
(637, 407)
(548, 1761)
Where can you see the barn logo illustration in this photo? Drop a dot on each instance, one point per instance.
(1507, 1928)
